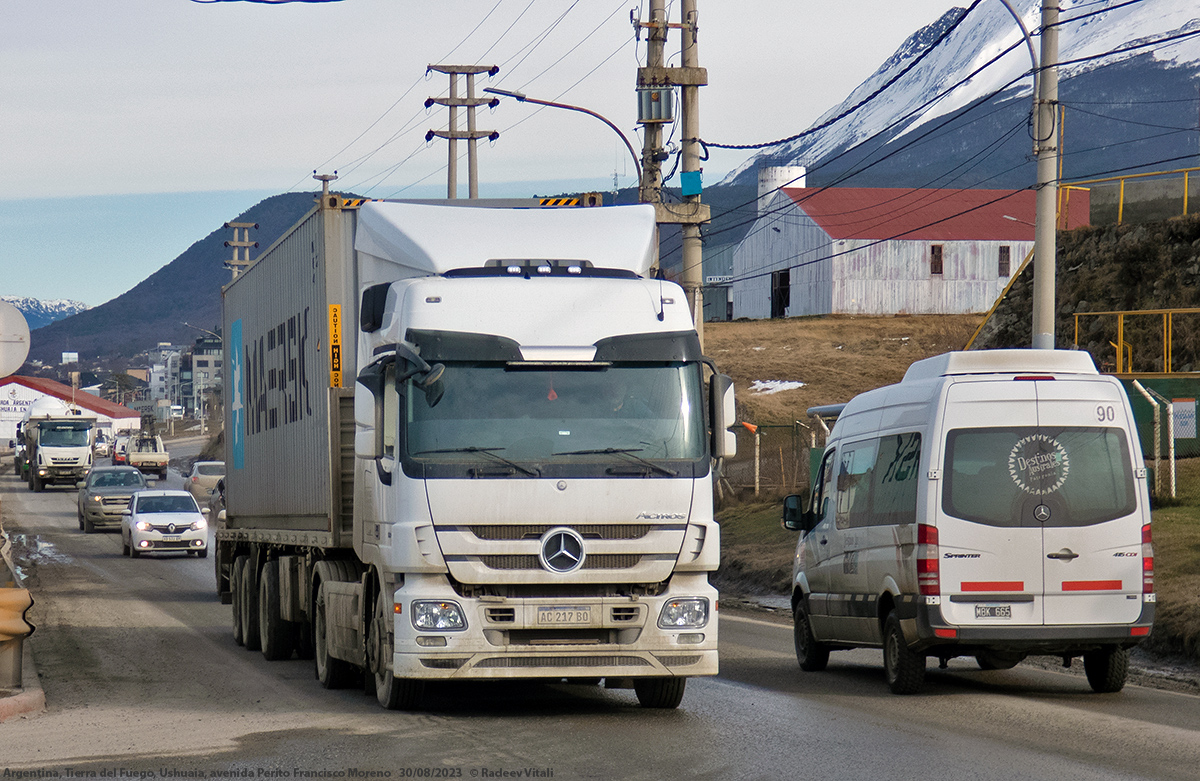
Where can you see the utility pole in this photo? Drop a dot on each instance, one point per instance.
(655, 86)
(471, 134)
(1045, 248)
(241, 246)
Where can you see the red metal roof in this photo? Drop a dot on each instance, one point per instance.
(929, 215)
(81, 398)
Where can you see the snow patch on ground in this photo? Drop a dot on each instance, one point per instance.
(767, 387)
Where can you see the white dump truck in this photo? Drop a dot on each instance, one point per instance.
(471, 443)
(58, 443)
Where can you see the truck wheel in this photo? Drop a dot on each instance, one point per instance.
(333, 673)
(905, 670)
(659, 692)
(812, 655)
(1107, 669)
(274, 634)
(35, 483)
(235, 587)
(392, 693)
(248, 599)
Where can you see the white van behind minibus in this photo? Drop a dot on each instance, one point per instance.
(992, 504)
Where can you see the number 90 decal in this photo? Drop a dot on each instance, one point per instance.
(1106, 413)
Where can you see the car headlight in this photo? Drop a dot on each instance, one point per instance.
(198, 525)
(445, 616)
(96, 499)
(143, 526)
(687, 613)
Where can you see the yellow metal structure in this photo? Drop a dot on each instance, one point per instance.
(1124, 351)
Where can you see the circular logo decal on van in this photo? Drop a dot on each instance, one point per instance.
(1038, 464)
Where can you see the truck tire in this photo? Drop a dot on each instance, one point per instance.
(1107, 669)
(274, 634)
(248, 599)
(235, 587)
(35, 483)
(392, 693)
(333, 673)
(663, 693)
(812, 655)
(905, 670)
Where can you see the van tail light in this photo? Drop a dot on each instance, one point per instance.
(929, 580)
(1147, 561)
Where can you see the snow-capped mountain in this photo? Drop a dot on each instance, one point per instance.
(1125, 67)
(39, 313)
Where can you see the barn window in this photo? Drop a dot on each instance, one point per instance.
(935, 259)
(1005, 266)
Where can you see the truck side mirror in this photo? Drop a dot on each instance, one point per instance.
(723, 412)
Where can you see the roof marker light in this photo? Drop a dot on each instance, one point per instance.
(514, 269)
(574, 270)
(544, 269)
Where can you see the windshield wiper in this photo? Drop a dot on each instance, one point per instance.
(487, 451)
(628, 452)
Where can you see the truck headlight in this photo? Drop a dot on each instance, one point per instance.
(687, 613)
(441, 616)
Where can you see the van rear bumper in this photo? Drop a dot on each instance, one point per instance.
(1057, 639)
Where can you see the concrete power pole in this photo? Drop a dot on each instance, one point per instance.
(1045, 248)
(658, 82)
(471, 134)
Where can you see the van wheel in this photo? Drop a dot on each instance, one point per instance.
(663, 693)
(905, 670)
(1107, 669)
(812, 655)
(998, 660)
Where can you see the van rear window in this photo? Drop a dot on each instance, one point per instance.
(1002, 476)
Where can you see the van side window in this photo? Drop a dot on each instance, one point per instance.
(824, 487)
(877, 481)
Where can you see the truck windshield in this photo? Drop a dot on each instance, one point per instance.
(1000, 476)
(63, 434)
(626, 417)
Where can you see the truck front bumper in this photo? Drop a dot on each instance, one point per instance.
(557, 637)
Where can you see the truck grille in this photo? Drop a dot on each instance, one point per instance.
(607, 561)
(565, 661)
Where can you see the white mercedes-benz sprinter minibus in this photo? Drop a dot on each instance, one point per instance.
(991, 504)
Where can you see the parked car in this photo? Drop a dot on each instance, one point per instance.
(105, 493)
(203, 478)
(165, 521)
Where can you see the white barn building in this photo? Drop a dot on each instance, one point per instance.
(881, 251)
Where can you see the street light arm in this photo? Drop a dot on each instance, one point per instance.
(523, 98)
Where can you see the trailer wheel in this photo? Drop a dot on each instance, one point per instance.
(235, 587)
(659, 692)
(248, 599)
(392, 693)
(274, 634)
(220, 567)
(333, 673)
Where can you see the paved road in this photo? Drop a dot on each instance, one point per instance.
(141, 675)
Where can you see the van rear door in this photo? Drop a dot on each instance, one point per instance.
(1093, 532)
(990, 545)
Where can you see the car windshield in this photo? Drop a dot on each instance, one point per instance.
(539, 414)
(118, 479)
(167, 504)
(63, 434)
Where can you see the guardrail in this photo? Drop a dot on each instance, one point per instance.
(15, 601)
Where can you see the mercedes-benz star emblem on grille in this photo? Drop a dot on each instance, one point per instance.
(562, 550)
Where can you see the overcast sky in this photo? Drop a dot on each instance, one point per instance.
(131, 128)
